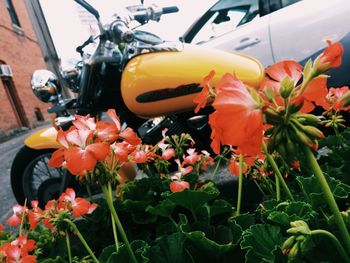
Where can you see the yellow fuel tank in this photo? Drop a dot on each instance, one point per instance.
(162, 83)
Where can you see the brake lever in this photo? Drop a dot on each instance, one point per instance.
(79, 49)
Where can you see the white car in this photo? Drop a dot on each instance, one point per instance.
(274, 30)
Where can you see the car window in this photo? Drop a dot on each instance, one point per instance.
(225, 20)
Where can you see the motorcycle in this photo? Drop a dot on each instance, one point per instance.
(150, 82)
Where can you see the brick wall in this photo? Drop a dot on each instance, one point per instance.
(22, 53)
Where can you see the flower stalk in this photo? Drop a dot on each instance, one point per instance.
(82, 240)
(277, 172)
(107, 191)
(240, 185)
(328, 195)
(69, 252)
(335, 242)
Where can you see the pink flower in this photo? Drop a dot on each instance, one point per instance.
(16, 218)
(178, 186)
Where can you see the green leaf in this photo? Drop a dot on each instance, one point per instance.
(219, 207)
(106, 253)
(164, 208)
(243, 220)
(191, 199)
(311, 189)
(137, 209)
(170, 249)
(261, 243)
(140, 248)
(292, 212)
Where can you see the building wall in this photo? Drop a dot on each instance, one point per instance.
(20, 50)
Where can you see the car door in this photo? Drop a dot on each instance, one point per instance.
(236, 26)
(300, 30)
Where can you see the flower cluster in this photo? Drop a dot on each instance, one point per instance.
(67, 206)
(278, 109)
(18, 251)
(89, 142)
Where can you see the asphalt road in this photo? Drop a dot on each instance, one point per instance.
(8, 152)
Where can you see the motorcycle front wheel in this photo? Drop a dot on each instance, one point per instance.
(33, 179)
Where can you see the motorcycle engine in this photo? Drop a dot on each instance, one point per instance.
(151, 131)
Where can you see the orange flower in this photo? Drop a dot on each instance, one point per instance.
(315, 92)
(79, 206)
(238, 120)
(277, 72)
(178, 186)
(333, 99)
(330, 58)
(202, 98)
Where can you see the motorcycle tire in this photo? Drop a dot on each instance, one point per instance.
(33, 179)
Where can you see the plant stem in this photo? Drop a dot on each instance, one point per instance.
(81, 238)
(216, 170)
(107, 193)
(22, 218)
(312, 162)
(277, 172)
(240, 183)
(69, 252)
(259, 187)
(278, 189)
(335, 241)
(115, 235)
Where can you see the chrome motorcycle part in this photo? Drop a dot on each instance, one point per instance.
(45, 86)
(151, 131)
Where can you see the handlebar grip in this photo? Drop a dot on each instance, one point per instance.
(170, 9)
(122, 32)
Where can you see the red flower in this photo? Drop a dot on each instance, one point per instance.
(178, 186)
(234, 167)
(84, 122)
(315, 92)
(330, 58)
(106, 131)
(1, 228)
(202, 98)
(34, 215)
(79, 160)
(333, 99)
(16, 218)
(192, 158)
(238, 119)
(130, 136)
(277, 72)
(18, 250)
(79, 206)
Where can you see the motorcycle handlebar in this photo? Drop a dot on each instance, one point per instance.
(122, 32)
(170, 9)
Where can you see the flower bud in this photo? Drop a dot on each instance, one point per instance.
(293, 252)
(286, 88)
(269, 94)
(272, 117)
(313, 132)
(346, 99)
(308, 119)
(288, 243)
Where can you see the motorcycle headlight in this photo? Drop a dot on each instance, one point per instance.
(45, 85)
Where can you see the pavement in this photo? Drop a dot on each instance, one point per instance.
(8, 150)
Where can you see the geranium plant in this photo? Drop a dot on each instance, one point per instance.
(268, 137)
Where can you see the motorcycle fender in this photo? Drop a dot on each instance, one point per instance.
(43, 139)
